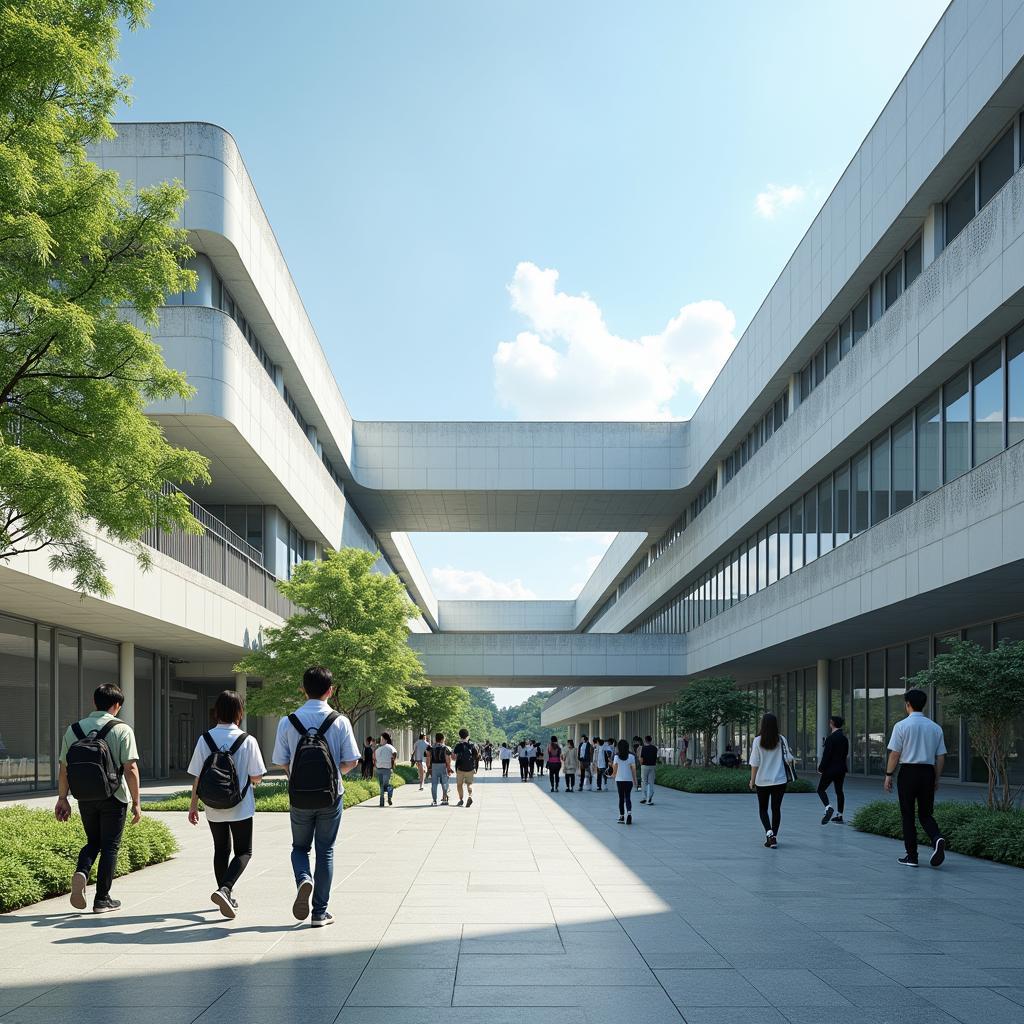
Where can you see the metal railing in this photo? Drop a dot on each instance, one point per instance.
(560, 694)
(222, 555)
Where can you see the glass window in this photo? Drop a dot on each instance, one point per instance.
(995, 168)
(69, 708)
(950, 723)
(845, 337)
(832, 353)
(929, 471)
(860, 320)
(46, 770)
(796, 525)
(784, 566)
(912, 264)
(842, 509)
(880, 478)
(876, 712)
(806, 385)
(810, 525)
(773, 552)
(819, 366)
(99, 666)
(960, 208)
(18, 694)
(876, 300)
(752, 581)
(825, 516)
(1015, 389)
(858, 740)
(860, 469)
(903, 463)
(956, 427)
(762, 559)
(895, 685)
(988, 404)
(893, 284)
(145, 708)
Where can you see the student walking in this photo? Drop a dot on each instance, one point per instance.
(366, 765)
(227, 764)
(99, 767)
(585, 754)
(554, 756)
(918, 747)
(526, 761)
(467, 762)
(601, 761)
(570, 765)
(488, 756)
(316, 746)
(505, 755)
(384, 757)
(832, 769)
(538, 755)
(771, 767)
(419, 756)
(648, 768)
(635, 746)
(439, 763)
(624, 767)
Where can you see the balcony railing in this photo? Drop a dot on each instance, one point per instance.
(220, 554)
(560, 694)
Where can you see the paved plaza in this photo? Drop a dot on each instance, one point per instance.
(534, 908)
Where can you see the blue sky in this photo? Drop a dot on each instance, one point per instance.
(531, 210)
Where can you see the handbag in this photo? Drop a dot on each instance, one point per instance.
(787, 764)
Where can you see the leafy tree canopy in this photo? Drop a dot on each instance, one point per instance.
(75, 246)
(705, 705)
(523, 720)
(351, 619)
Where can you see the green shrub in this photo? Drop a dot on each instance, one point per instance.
(272, 796)
(39, 853)
(714, 780)
(407, 772)
(971, 829)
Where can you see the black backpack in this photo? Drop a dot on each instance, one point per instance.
(313, 779)
(218, 780)
(465, 756)
(92, 774)
(439, 754)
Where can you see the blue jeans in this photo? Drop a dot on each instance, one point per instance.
(317, 829)
(647, 772)
(384, 781)
(438, 774)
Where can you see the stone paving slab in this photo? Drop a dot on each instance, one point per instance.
(539, 907)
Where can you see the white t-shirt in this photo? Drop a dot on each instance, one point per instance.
(504, 754)
(248, 762)
(530, 751)
(771, 771)
(622, 772)
(419, 750)
(383, 754)
(604, 755)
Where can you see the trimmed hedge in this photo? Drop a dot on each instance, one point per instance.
(273, 796)
(971, 829)
(38, 853)
(714, 780)
(407, 773)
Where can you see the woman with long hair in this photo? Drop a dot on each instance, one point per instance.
(554, 756)
(571, 764)
(624, 767)
(770, 768)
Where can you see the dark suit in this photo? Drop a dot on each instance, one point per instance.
(833, 767)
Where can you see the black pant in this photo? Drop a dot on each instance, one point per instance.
(599, 775)
(570, 781)
(103, 821)
(832, 779)
(504, 767)
(774, 794)
(916, 783)
(524, 767)
(625, 797)
(225, 835)
(553, 769)
(585, 770)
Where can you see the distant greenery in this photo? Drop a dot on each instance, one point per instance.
(715, 780)
(971, 829)
(273, 796)
(38, 854)
(704, 705)
(522, 721)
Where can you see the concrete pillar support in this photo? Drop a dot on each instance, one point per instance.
(622, 726)
(126, 680)
(721, 740)
(822, 706)
(241, 685)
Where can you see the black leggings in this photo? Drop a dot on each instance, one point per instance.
(625, 797)
(827, 779)
(554, 768)
(504, 767)
(524, 767)
(775, 795)
(225, 835)
(570, 781)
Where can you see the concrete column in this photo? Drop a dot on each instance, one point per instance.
(126, 680)
(931, 235)
(721, 740)
(793, 379)
(241, 685)
(822, 707)
(622, 726)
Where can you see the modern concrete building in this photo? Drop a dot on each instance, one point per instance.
(849, 493)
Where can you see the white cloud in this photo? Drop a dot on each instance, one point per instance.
(569, 365)
(472, 584)
(778, 197)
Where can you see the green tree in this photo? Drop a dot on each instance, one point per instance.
(705, 705)
(432, 709)
(987, 689)
(75, 248)
(351, 619)
(523, 720)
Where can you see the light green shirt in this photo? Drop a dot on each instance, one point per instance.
(120, 739)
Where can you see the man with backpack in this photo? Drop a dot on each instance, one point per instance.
(99, 768)
(467, 762)
(316, 746)
(439, 764)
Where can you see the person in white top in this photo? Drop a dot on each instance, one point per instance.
(531, 758)
(384, 757)
(226, 744)
(571, 764)
(919, 748)
(769, 757)
(419, 756)
(624, 767)
(504, 755)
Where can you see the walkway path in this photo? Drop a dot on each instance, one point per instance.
(538, 908)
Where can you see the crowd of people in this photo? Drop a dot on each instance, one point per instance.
(317, 747)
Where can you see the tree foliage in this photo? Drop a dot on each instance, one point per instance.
(76, 374)
(705, 705)
(987, 689)
(351, 619)
(523, 720)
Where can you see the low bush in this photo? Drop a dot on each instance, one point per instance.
(714, 780)
(407, 772)
(38, 853)
(273, 796)
(971, 829)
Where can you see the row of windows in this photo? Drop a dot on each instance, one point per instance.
(224, 301)
(293, 408)
(757, 436)
(976, 414)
